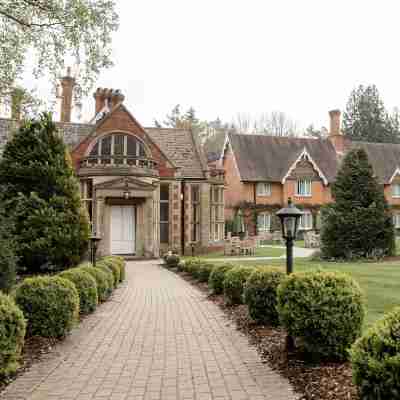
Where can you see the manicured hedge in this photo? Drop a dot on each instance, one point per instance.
(234, 282)
(216, 278)
(325, 310)
(86, 286)
(203, 271)
(120, 262)
(172, 260)
(113, 267)
(260, 294)
(102, 280)
(109, 274)
(190, 264)
(375, 359)
(50, 305)
(12, 334)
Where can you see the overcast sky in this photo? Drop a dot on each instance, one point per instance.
(223, 57)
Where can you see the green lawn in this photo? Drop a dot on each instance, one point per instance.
(380, 281)
(260, 252)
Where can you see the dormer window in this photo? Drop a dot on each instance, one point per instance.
(303, 188)
(117, 149)
(396, 190)
(263, 189)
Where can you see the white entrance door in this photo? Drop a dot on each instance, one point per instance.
(122, 230)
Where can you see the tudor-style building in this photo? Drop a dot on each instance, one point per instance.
(262, 172)
(147, 190)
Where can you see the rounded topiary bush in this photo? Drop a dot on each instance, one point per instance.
(260, 294)
(190, 264)
(12, 334)
(203, 272)
(50, 305)
(113, 267)
(375, 358)
(216, 278)
(172, 260)
(234, 282)
(120, 261)
(102, 280)
(324, 310)
(109, 274)
(86, 286)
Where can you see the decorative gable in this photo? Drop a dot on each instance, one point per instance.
(125, 183)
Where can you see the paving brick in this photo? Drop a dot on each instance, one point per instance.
(157, 338)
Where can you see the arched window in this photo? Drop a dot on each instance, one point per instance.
(117, 148)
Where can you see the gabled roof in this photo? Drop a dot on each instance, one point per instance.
(384, 158)
(269, 158)
(181, 146)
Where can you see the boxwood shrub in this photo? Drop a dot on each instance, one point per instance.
(203, 271)
(12, 334)
(109, 274)
(50, 305)
(86, 286)
(120, 262)
(191, 263)
(325, 310)
(113, 267)
(216, 278)
(260, 294)
(102, 280)
(375, 358)
(234, 282)
(172, 260)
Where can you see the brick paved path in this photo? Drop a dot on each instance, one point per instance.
(158, 338)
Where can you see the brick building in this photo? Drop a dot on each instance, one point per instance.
(262, 172)
(147, 190)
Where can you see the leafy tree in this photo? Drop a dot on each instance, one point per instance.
(311, 131)
(38, 35)
(358, 223)
(51, 227)
(366, 118)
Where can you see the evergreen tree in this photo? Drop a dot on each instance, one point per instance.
(42, 192)
(366, 118)
(358, 223)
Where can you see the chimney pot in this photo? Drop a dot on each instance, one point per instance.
(334, 122)
(104, 96)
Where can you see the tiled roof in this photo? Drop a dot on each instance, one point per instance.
(268, 158)
(182, 148)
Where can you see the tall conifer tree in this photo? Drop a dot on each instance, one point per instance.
(42, 193)
(358, 223)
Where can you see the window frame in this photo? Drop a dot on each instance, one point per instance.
(396, 220)
(263, 189)
(265, 228)
(394, 187)
(217, 218)
(306, 183)
(162, 222)
(195, 214)
(309, 215)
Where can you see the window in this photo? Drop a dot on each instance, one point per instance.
(87, 196)
(117, 149)
(217, 222)
(396, 190)
(195, 200)
(263, 189)
(303, 187)
(263, 222)
(396, 221)
(164, 213)
(306, 221)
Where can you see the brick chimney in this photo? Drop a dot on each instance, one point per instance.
(107, 98)
(67, 84)
(335, 134)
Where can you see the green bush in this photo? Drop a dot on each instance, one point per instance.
(120, 262)
(12, 334)
(375, 358)
(110, 275)
(50, 305)
(234, 282)
(216, 278)
(86, 286)
(113, 267)
(260, 294)
(172, 260)
(203, 272)
(102, 280)
(325, 310)
(191, 263)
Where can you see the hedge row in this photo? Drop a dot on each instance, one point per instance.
(49, 306)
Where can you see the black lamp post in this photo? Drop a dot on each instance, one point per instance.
(290, 217)
(94, 240)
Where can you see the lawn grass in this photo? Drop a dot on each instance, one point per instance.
(260, 252)
(379, 280)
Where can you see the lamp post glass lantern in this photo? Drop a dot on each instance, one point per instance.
(94, 240)
(290, 218)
